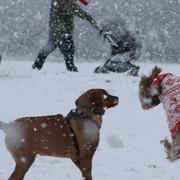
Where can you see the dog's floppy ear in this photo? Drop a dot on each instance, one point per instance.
(91, 101)
(81, 101)
(96, 99)
(147, 100)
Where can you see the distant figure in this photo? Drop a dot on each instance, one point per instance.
(61, 25)
(127, 50)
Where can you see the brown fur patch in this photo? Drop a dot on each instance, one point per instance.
(147, 100)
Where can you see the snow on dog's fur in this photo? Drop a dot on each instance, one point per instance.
(164, 88)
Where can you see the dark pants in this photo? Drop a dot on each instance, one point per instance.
(66, 46)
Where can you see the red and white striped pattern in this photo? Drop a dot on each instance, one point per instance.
(170, 98)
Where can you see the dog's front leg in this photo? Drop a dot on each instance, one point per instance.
(172, 151)
(167, 146)
(84, 163)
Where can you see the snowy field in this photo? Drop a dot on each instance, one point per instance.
(129, 146)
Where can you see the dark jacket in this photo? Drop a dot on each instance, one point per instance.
(61, 21)
(126, 40)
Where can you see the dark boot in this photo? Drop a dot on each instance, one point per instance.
(101, 69)
(71, 67)
(38, 64)
(134, 71)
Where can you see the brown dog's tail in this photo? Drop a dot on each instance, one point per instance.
(144, 86)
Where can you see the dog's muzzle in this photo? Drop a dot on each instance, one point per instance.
(116, 101)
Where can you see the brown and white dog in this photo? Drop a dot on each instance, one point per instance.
(75, 136)
(164, 88)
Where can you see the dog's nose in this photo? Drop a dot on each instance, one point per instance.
(116, 101)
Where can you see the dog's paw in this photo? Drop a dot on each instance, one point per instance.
(165, 142)
(167, 146)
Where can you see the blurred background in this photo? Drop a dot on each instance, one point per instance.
(156, 23)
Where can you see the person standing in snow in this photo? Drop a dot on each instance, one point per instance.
(61, 25)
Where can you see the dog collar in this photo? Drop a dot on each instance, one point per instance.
(81, 115)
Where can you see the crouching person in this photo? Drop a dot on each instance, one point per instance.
(164, 88)
(126, 50)
(61, 25)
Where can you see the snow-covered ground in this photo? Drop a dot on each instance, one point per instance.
(129, 146)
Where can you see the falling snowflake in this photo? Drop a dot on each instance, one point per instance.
(55, 3)
(23, 159)
(43, 125)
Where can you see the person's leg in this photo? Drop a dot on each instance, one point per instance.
(66, 45)
(118, 61)
(134, 69)
(49, 47)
